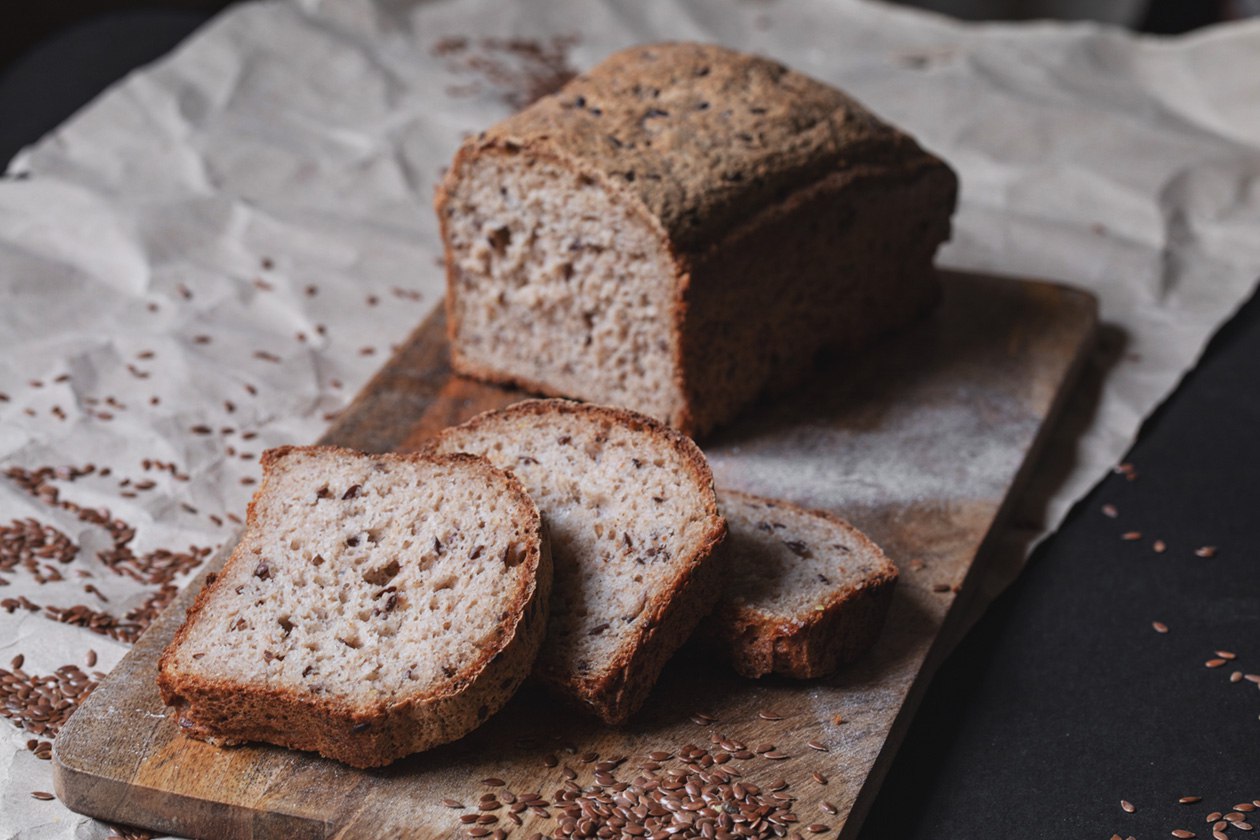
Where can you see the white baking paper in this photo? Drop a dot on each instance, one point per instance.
(272, 177)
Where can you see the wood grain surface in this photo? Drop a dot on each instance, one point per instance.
(921, 443)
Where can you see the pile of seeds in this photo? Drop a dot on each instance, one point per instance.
(692, 793)
(156, 567)
(523, 69)
(31, 544)
(41, 704)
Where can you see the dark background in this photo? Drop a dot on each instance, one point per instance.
(1063, 700)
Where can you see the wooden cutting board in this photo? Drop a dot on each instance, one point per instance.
(920, 443)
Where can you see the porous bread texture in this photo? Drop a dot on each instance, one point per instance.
(805, 592)
(633, 522)
(376, 606)
(681, 228)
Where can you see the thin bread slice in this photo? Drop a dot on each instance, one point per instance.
(376, 606)
(806, 592)
(633, 521)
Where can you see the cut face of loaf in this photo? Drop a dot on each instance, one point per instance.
(806, 592)
(376, 606)
(633, 523)
(681, 228)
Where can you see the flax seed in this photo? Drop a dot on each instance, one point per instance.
(1127, 806)
(1205, 551)
(1190, 800)
(1160, 627)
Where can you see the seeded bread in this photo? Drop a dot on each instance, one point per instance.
(633, 522)
(681, 228)
(376, 606)
(806, 592)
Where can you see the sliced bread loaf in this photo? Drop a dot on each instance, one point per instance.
(376, 606)
(682, 227)
(806, 592)
(633, 521)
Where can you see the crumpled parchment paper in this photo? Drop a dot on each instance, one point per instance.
(221, 249)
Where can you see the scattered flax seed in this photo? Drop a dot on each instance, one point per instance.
(91, 658)
(493, 782)
(1160, 627)
(1205, 551)
(1214, 816)
(1236, 677)
(1110, 511)
(819, 777)
(829, 808)
(766, 714)
(815, 745)
(451, 803)
(1127, 806)
(1131, 535)
(819, 828)
(1183, 834)
(1225, 654)
(1160, 546)
(42, 795)
(1190, 800)
(1215, 663)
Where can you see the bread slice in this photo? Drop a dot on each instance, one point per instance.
(633, 522)
(376, 606)
(806, 592)
(682, 227)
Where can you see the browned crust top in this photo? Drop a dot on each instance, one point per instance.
(169, 683)
(699, 136)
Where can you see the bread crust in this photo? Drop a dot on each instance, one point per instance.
(225, 712)
(814, 644)
(715, 184)
(617, 691)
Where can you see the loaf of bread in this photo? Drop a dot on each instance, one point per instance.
(633, 523)
(682, 228)
(377, 605)
(806, 592)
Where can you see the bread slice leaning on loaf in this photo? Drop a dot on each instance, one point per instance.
(376, 606)
(806, 592)
(633, 522)
(681, 228)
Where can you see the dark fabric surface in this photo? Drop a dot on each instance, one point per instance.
(1063, 700)
(61, 74)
